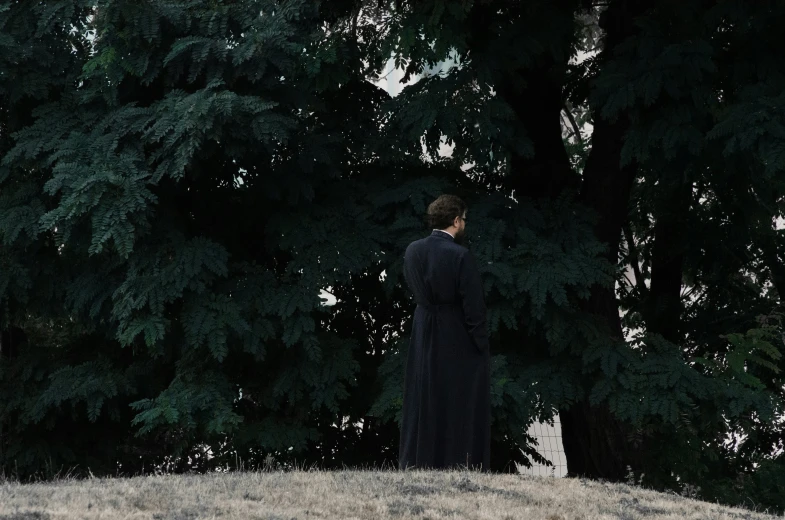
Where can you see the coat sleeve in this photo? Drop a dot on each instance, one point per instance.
(473, 301)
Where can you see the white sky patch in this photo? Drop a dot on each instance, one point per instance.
(328, 297)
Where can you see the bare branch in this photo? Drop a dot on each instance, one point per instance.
(572, 121)
(633, 254)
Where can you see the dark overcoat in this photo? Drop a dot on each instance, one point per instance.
(446, 419)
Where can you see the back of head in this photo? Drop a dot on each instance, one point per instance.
(442, 211)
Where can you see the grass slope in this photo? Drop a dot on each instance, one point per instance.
(349, 494)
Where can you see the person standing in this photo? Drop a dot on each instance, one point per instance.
(446, 421)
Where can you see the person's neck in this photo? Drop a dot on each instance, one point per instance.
(445, 231)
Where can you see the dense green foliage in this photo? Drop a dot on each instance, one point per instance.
(180, 179)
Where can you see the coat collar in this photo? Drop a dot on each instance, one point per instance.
(442, 234)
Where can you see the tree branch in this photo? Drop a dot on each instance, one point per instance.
(634, 260)
(572, 121)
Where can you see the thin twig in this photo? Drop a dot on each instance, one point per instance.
(633, 253)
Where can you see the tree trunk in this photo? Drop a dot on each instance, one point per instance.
(775, 261)
(2, 336)
(771, 242)
(663, 306)
(538, 105)
(596, 442)
(11, 340)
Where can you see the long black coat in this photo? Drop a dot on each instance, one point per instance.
(446, 402)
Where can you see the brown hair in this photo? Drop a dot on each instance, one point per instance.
(442, 212)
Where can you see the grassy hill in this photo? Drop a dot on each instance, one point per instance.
(349, 494)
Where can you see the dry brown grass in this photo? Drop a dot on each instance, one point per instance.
(349, 494)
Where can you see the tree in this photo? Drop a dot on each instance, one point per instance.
(658, 94)
(180, 180)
